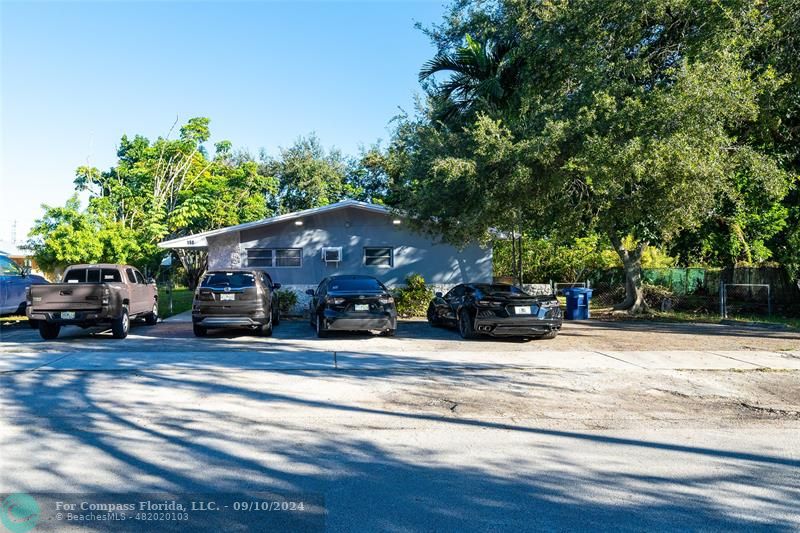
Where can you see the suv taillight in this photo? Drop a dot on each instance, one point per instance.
(106, 295)
(204, 294)
(28, 298)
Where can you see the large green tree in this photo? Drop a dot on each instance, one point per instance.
(157, 190)
(631, 119)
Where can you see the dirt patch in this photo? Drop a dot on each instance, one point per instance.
(611, 399)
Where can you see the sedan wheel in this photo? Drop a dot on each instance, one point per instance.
(320, 327)
(465, 326)
(433, 320)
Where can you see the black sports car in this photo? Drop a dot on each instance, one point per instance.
(352, 303)
(496, 310)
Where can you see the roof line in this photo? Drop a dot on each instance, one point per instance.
(273, 220)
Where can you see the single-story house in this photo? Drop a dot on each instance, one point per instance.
(299, 249)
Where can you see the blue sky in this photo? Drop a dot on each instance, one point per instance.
(77, 75)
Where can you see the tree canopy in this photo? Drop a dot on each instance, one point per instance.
(172, 187)
(642, 121)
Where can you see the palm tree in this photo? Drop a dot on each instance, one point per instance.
(483, 76)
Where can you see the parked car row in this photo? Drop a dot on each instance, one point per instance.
(113, 295)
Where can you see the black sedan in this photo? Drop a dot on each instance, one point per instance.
(352, 303)
(498, 310)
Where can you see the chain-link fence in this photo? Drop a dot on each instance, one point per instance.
(732, 292)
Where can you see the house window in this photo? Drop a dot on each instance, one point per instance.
(275, 257)
(380, 257)
(288, 257)
(259, 257)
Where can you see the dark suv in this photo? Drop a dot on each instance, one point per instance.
(235, 299)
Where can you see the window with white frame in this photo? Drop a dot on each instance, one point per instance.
(289, 257)
(380, 257)
(275, 257)
(260, 257)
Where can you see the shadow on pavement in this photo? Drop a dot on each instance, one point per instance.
(204, 446)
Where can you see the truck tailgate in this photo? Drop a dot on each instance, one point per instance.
(67, 296)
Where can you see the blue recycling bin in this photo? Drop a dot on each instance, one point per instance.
(578, 300)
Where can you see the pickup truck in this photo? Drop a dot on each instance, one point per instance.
(93, 295)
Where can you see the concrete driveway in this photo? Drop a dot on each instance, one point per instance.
(628, 426)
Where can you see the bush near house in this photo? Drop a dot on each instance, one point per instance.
(413, 299)
(287, 300)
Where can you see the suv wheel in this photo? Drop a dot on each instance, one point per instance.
(48, 331)
(465, 326)
(265, 330)
(121, 325)
(199, 331)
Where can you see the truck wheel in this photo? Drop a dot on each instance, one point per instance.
(121, 325)
(465, 326)
(152, 318)
(199, 331)
(276, 316)
(49, 331)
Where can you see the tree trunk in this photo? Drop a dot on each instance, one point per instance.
(634, 302)
(195, 262)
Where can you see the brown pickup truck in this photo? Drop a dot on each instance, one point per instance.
(93, 295)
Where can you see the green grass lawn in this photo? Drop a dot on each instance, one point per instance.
(181, 301)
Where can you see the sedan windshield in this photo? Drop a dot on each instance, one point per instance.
(355, 284)
(234, 280)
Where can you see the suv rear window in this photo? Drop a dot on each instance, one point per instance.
(234, 280)
(355, 284)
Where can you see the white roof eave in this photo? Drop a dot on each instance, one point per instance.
(200, 240)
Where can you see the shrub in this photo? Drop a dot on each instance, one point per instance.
(287, 300)
(413, 299)
(654, 295)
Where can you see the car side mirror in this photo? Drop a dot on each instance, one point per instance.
(310, 292)
(151, 281)
(276, 286)
(438, 294)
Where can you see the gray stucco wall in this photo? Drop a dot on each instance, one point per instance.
(353, 229)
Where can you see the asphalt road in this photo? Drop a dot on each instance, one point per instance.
(413, 434)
